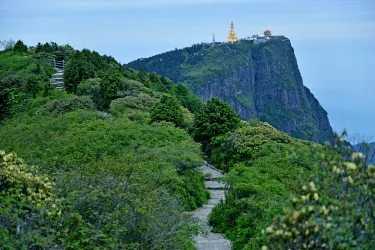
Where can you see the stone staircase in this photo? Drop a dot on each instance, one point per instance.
(57, 79)
(211, 241)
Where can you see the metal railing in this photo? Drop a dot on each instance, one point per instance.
(58, 64)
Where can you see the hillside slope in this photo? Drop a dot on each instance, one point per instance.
(258, 80)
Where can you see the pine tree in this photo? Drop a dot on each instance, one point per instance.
(20, 47)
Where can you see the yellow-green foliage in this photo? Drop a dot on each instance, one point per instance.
(23, 182)
(335, 212)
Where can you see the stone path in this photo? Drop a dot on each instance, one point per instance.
(211, 241)
(57, 79)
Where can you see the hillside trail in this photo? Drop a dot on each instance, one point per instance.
(211, 241)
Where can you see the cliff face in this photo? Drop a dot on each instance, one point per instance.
(259, 81)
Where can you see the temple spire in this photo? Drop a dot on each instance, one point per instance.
(232, 35)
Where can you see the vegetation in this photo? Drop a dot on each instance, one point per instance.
(110, 164)
(265, 167)
(215, 118)
(115, 177)
(167, 109)
(240, 74)
(336, 210)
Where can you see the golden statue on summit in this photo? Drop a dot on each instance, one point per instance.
(232, 38)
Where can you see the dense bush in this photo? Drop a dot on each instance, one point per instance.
(24, 196)
(139, 102)
(11, 94)
(110, 86)
(63, 106)
(77, 70)
(167, 109)
(146, 170)
(265, 167)
(215, 118)
(335, 211)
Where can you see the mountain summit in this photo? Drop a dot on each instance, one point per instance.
(258, 78)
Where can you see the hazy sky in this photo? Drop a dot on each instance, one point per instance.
(334, 40)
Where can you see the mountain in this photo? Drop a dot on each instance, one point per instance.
(367, 149)
(260, 81)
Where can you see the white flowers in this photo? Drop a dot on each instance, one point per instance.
(350, 165)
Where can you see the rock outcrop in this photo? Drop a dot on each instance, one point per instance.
(258, 80)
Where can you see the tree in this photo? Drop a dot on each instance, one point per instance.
(7, 44)
(167, 109)
(216, 118)
(77, 70)
(20, 47)
(181, 90)
(47, 48)
(110, 86)
(39, 48)
(33, 86)
(10, 94)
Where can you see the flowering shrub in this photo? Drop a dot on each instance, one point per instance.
(336, 211)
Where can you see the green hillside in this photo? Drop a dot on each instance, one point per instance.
(120, 181)
(110, 163)
(260, 81)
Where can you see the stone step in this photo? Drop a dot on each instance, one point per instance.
(216, 185)
(216, 188)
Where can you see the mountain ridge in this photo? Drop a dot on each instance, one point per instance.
(260, 81)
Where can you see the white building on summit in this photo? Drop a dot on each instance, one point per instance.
(261, 39)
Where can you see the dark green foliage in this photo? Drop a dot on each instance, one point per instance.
(77, 70)
(33, 86)
(236, 73)
(63, 106)
(10, 94)
(110, 86)
(20, 47)
(216, 118)
(187, 99)
(12, 82)
(167, 109)
(181, 90)
(47, 48)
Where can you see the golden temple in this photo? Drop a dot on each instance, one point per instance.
(232, 38)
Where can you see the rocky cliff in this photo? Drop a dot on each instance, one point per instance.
(258, 80)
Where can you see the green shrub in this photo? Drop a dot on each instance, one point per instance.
(216, 118)
(141, 102)
(20, 47)
(24, 196)
(75, 71)
(63, 106)
(265, 168)
(334, 211)
(12, 81)
(167, 109)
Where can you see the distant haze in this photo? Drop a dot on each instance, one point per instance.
(334, 40)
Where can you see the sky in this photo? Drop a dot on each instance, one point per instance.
(334, 40)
